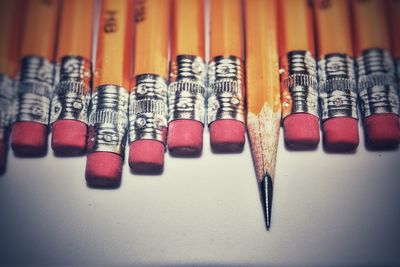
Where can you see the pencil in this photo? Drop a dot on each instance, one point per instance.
(11, 18)
(299, 85)
(186, 91)
(394, 16)
(225, 108)
(337, 85)
(376, 78)
(29, 132)
(72, 93)
(263, 93)
(148, 99)
(108, 117)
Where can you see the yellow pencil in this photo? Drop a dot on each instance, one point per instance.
(263, 93)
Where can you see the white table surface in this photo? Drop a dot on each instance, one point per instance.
(328, 210)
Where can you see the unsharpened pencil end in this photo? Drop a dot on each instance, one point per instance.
(69, 138)
(301, 131)
(382, 131)
(29, 139)
(266, 191)
(103, 169)
(227, 136)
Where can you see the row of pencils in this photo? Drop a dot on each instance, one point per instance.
(297, 63)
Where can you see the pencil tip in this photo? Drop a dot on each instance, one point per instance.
(266, 189)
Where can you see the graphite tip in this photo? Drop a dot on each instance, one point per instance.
(266, 190)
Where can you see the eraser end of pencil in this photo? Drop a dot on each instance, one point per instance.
(3, 155)
(146, 156)
(382, 131)
(340, 134)
(227, 136)
(29, 139)
(69, 137)
(301, 131)
(103, 169)
(185, 138)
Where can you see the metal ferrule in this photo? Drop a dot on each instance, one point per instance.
(72, 93)
(108, 120)
(6, 100)
(186, 92)
(377, 83)
(301, 82)
(35, 89)
(148, 109)
(226, 94)
(337, 86)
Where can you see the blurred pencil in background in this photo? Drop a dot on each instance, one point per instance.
(11, 22)
(299, 84)
(148, 109)
(393, 7)
(376, 74)
(35, 89)
(186, 92)
(72, 93)
(337, 85)
(108, 120)
(225, 108)
(263, 93)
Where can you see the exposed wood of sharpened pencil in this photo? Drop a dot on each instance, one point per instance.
(263, 92)
(151, 37)
(40, 28)
(75, 35)
(333, 27)
(187, 28)
(394, 15)
(114, 51)
(370, 26)
(226, 34)
(11, 21)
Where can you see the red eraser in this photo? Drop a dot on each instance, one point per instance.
(227, 136)
(146, 156)
(301, 131)
(29, 139)
(3, 155)
(340, 134)
(382, 131)
(185, 137)
(69, 137)
(103, 169)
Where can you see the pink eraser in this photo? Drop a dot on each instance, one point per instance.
(69, 137)
(29, 139)
(301, 131)
(3, 155)
(185, 137)
(340, 134)
(382, 131)
(103, 169)
(227, 136)
(146, 156)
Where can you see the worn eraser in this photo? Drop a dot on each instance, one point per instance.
(301, 131)
(3, 155)
(340, 134)
(382, 131)
(103, 169)
(227, 136)
(146, 156)
(185, 137)
(29, 139)
(69, 137)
